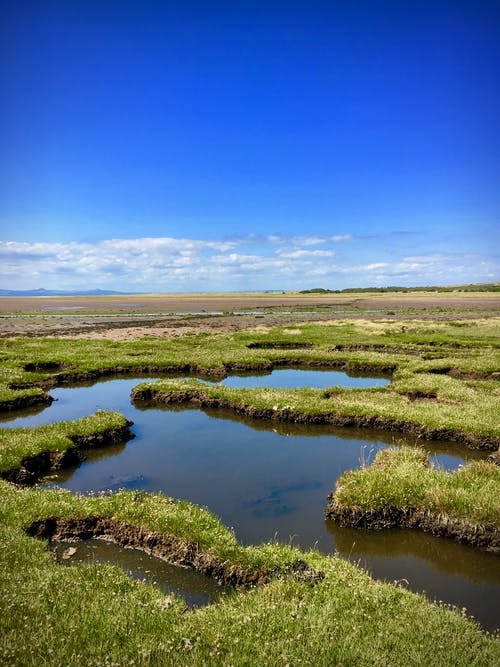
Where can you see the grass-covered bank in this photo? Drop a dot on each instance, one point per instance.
(401, 489)
(470, 421)
(193, 536)
(95, 615)
(26, 454)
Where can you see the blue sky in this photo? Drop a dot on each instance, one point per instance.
(182, 146)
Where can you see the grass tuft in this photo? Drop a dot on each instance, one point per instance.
(402, 478)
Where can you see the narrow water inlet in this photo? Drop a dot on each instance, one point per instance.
(196, 589)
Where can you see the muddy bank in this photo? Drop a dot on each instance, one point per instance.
(459, 374)
(378, 370)
(495, 458)
(20, 402)
(280, 345)
(45, 366)
(376, 347)
(414, 396)
(33, 468)
(486, 538)
(285, 414)
(168, 547)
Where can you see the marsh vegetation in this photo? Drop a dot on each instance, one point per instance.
(444, 386)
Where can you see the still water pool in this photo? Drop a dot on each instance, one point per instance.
(196, 589)
(270, 481)
(292, 378)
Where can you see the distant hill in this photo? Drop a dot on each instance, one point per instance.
(49, 292)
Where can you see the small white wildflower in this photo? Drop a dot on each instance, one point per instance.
(187, 643)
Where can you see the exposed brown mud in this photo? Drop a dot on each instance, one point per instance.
(251, 301)
(38, 366)
(332, 364)
(168, 547)
(33, 468)
(280, 345)
(456, 373)
(483, 537)
(495, 458)
(202, 399)
(20, 402)
(422, 396)
(375, 347)
(460, 374)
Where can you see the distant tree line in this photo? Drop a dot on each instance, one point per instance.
(482, 287)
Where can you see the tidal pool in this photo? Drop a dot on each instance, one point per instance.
(196, 589)
(270, 480)
(292, 378)
(80, 400)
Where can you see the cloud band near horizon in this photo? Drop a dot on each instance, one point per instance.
(166, 264)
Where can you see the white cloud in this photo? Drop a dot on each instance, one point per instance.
(309, 240)
(251, 262)
(297, 254)
(363, 268)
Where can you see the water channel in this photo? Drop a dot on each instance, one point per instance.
(269, 480)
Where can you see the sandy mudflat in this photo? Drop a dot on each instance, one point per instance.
(165, 315)
(189, 303)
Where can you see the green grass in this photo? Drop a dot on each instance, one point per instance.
(417, 350)
(402, 478)
(16, 444)
(95, 615)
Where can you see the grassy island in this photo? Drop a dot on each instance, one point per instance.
(401, 489)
